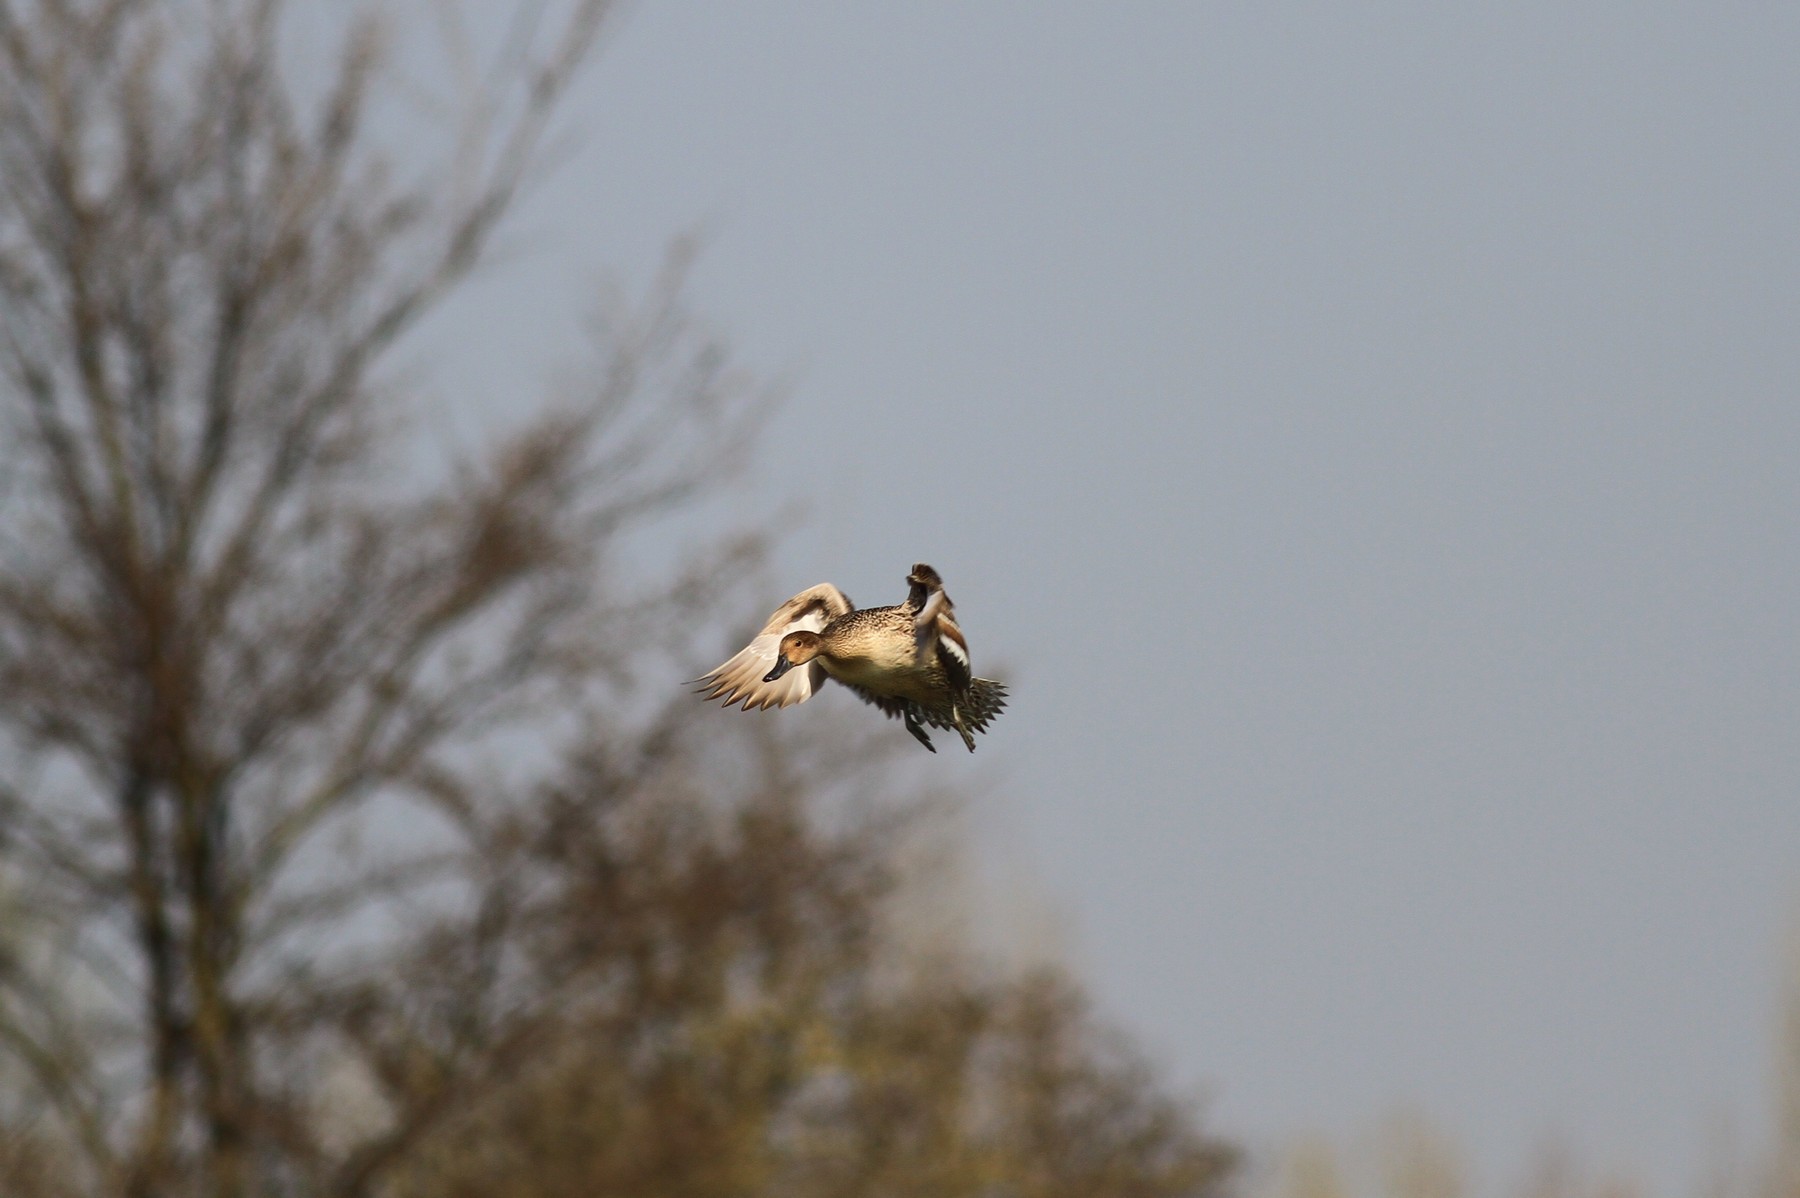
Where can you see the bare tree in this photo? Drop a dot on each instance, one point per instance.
(225, 628)
(335, 832)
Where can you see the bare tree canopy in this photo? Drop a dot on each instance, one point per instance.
(341, 850)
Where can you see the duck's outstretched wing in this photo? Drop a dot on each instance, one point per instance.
(953, 650)
(740, 679)
(938, 635)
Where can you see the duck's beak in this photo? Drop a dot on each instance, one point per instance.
(782, 666)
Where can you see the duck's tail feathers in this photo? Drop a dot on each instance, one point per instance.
(971, 713)
(986, 699)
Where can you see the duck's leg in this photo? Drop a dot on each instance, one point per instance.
(918, 730)
(956, 718)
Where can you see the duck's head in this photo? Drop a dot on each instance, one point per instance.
(797, 648)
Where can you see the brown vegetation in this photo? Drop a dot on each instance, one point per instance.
(354, 838)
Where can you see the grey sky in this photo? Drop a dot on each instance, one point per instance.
(1367, 436)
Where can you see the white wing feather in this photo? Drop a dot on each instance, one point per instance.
(925, 623)
(935, 632)
(740, 678)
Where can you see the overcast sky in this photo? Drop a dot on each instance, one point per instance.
(1366, 435)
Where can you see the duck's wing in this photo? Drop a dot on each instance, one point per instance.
(740, 678)
(937, 634)
(921, 584)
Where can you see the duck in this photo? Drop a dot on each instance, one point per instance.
(911, 660)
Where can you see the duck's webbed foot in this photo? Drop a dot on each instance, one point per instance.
(918, 730)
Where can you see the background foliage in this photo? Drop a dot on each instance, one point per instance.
(354, 837)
